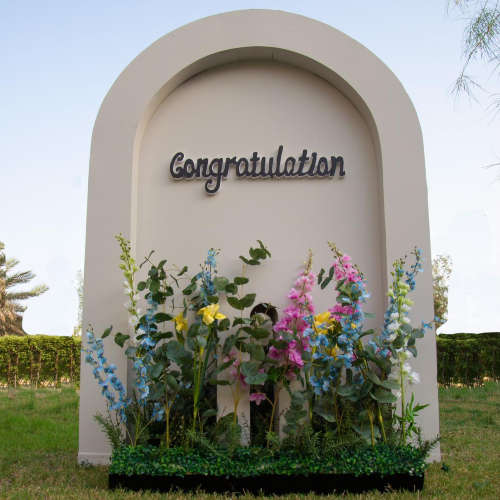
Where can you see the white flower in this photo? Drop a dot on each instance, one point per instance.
(406, 320)
(394, 316)
(127, 291)
(135, 297)
(394, 376)
(406, 369)
(138, 311)
(394, 326)
(406, 308)
(414, 378)
(128, 305)
(133, 320)
(126, 283)
(392, 337)
(403, 354)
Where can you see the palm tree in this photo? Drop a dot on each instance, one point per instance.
(11, 311)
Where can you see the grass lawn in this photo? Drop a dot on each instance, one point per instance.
(39, 443)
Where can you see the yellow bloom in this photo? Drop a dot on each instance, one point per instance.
(210, 313)
(181, 324)
(323, 318)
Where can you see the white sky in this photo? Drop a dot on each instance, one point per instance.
(58, 59)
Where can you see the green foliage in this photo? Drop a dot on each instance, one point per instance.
(468, 358)
(247, 461)
(111, 429)
(11, 308)
(39, 360)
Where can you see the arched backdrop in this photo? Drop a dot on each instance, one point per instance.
(232, 43)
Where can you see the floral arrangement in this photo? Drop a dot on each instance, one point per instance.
(343, 381)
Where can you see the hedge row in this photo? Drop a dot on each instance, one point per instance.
(39, 360)
(43, 360)
(467, 358)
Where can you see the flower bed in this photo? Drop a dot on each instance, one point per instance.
(339, 425)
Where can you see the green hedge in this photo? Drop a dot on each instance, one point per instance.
(43, 360)
(467, 358)
(39, 360)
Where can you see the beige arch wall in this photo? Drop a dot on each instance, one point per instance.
(238, 36)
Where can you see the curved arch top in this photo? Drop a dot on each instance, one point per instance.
(225, 38)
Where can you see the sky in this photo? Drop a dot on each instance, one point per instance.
(58, 59)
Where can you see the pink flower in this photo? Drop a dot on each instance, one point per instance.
(295, 358)
(290, 375)
(257, 397)
(274, 353)
(293, 294)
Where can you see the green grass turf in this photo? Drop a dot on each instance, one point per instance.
(39, 441)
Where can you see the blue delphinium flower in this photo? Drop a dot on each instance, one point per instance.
(100, 365)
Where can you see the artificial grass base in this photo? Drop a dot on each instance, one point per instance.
(270, 484)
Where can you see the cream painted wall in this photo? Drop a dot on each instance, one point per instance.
(251, 106)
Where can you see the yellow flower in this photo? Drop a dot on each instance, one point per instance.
(181, 324)
(210, 313)
(323, 318)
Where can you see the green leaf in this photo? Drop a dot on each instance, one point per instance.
(346, 390)
(325, 283)
(202, 341)
(383, 396)
(242, 321)
(260, 333)
(224, 324)
(184, 269)
(254, 262)
(175, 352)
(249, 368)
(406, 329)
(256, 379)
(220, 283)
(209, 413)
(365, 388)
(162, 335)
(161, 317)
(141, 286)
(156, 370)
(155, 286)
(248, 300)
(417, 334)
(189, 289)
(216, 381)
(370, 351)
(390, 384)
(106, 332)
(120, 339)
(172, 383)
(241, 281)
(244, 259)
(413, 351)
(373, 377)
(235, 302)
(322, 412)
(256, 351)
(231, 288)
(320, 276)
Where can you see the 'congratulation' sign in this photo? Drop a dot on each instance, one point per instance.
(255, 167)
